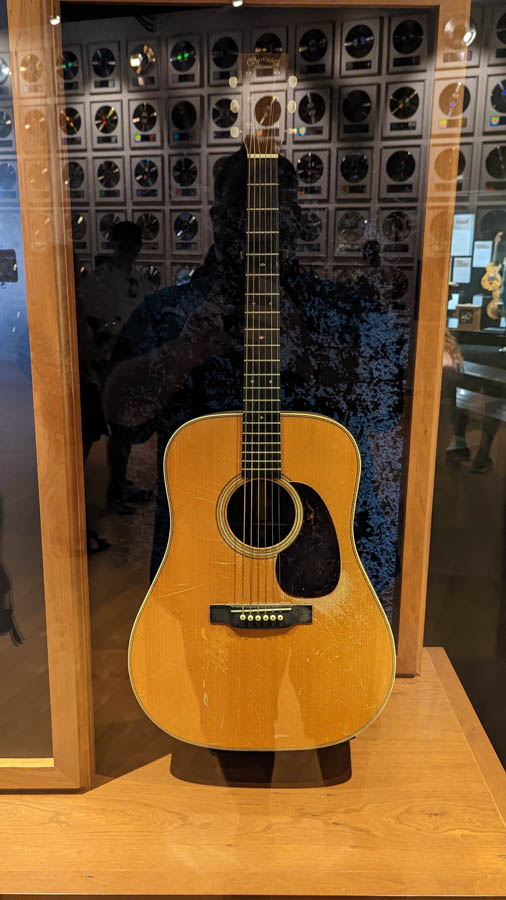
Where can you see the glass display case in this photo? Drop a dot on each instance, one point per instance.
(298, 221)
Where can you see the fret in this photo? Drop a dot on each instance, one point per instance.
(261, 453)
(264, 402)
(266, 471)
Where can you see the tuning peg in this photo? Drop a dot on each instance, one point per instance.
(292, 106)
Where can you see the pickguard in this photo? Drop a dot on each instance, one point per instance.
(311, 565)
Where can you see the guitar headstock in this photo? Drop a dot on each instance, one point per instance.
(264, 127)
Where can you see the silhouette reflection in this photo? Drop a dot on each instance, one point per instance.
(157, 360)
(179, 355)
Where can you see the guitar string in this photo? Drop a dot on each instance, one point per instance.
(270, 319)
(270, 244)
(251, 403)
(256, 366)
(262, 321)
(245, 382)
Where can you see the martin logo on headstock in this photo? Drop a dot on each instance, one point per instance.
(265, 126)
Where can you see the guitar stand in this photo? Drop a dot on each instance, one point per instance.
(262, 769)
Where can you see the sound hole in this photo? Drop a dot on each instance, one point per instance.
(261, 513)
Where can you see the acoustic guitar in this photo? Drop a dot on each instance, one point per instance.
(492, 281)
(235, 647)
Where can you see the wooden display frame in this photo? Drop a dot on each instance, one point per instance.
(55, 379)
(53, 342)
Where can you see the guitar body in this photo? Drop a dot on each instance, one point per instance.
(261, 687)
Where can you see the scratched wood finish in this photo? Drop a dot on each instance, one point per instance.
(301, 687)
(51, 317)
(475, 735)
(416, 819)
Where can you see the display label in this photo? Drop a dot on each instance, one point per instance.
(358, 64)
(143, 80)
(396, 248)
(463, 233)
(352, 188)
(316, 69)
(356, 129)
(452, 123)
(309, 130)
(400, 61)
(482, 254)
(402, 126)
(312, 189)
(462, 269)
(105, 82)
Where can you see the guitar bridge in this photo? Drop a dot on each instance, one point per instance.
(267, 616)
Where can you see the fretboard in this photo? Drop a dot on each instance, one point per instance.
(261, 444)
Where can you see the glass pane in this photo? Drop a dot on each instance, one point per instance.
(158, 174)
(466, 603)
(24, 689)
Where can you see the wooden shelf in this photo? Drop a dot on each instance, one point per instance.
(420, 816)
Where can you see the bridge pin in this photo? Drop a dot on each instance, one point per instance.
(280, 618)
(273, 618)
(265, 618)
(258, 618)
(242, 617)
(250, 618)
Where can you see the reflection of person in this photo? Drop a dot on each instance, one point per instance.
(457, 451)
(180, 356)
(107, 298)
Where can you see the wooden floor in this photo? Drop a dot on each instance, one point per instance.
(420, 816)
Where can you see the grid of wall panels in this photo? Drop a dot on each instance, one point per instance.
(165, 107)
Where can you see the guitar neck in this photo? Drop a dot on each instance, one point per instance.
(261, 448)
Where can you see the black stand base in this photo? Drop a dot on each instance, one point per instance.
(280, 769)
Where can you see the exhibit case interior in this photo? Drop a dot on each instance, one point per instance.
(252, 356)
